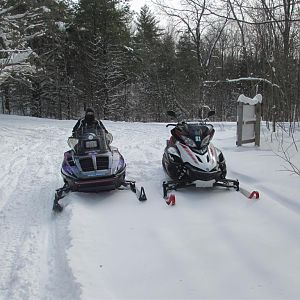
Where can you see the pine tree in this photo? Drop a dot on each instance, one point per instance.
(15, 50)
(102, 36)
(52, 86)
(147, 46)
(187, 73)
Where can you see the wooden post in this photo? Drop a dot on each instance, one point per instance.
(239, 124)
(248, 115)
(257, 124)
(2, 103)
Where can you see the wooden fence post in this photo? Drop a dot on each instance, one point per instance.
(239, 124)
(257, 124)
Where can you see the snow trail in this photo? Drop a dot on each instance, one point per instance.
(213, 244)
(28, 180)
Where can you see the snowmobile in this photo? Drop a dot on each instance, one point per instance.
(190, 158)
(93, 165)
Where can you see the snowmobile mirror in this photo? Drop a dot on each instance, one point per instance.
(211, 113)
(172, 114)
(109, 138)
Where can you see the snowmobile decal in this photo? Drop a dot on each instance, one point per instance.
(189, 152)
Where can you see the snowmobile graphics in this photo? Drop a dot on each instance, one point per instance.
(93, 165)
(191, 159)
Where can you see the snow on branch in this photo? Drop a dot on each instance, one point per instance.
(253, 79)
(6, 10)
(18, 16)
(244, 79)
(15, 50)
(16, 62)
(37, 34)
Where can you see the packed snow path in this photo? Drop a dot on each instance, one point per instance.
(32, 244)
(214, 244)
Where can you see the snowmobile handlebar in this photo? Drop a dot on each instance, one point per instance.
(182, 123)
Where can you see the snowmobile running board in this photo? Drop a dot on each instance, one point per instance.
(175, 185)
(127, 184)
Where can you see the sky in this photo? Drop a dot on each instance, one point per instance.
(137, 4)
(163, 20)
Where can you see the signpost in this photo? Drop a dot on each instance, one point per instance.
(248, 120)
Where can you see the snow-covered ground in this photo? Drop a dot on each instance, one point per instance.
(213, 244)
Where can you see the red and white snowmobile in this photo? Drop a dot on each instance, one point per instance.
(190, 158)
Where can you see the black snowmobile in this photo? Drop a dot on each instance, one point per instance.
(93, 165)
(190, 159)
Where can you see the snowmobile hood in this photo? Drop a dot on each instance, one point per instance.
(93, 164)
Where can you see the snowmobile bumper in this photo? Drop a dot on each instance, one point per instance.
(186, 172)
(196, 174)
(96, 185)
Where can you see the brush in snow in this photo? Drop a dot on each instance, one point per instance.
(191, 160)
(93, 165)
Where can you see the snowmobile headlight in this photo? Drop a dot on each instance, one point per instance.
(189, 142)
(175, 158)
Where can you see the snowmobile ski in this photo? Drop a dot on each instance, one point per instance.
(140, 193)
(171, 200)
(249, 194)
(126, 185)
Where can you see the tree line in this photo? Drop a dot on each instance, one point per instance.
(59, 57)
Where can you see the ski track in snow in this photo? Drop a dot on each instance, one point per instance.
(214, 244)
(29, 244)
(270, 193)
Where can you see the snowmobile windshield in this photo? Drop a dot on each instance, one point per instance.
(201, 134)
(91, 141)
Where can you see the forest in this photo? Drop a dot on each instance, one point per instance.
(59, 57)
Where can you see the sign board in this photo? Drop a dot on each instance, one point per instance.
(248, 122)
